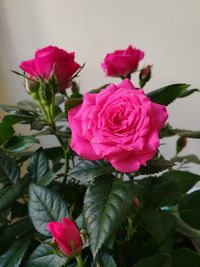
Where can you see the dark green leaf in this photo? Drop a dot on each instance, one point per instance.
(45, 206)
(108, 260)
(188, 92)
(20, 143)
(166, 193)
(9, 171)
(187, 133)
(155, 165)
(95, 91)
(187, 159)
(11, 119)
(38, 125)
(27, 105)
(185, 179)
(6, 132)
(38, 165)
(46, 179)
(168, 94)
(189, 209)
(14, 255)
(9, 194)
(20, 109)
(72, 102)
(185, 258)
(107, 203)
(157, 260)
(44, 256)
(159, 224)
(88, 170)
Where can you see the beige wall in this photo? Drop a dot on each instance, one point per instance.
(168, 31)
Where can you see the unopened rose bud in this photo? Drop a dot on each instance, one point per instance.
(67, 236)
(136, 202)
(31, 86)
(181, 143)
(145, 75)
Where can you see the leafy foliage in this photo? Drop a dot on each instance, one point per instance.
(148, 218)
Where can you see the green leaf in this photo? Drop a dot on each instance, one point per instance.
(72, 102)
(166, 193)
(27, 105)
(38, 125)
(97, 90)
(189, 209)
(14, 255)
(38, 165)
(9, 171)
(43, 256)
(155, 165)
(187, 133)
(11, 119)
(6, 132)
(20, 108)
(20, 143)
(185, 179)
(157, 260)
(46, 179)
(9, 194)
(88, 170)
(45, 206)
(185, 257)
(191, 158)
(168, 94)
(159, 224)
(108, 260)
(107, 203)
(169, 187)
(188, 92)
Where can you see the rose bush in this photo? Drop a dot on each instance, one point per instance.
(49, 60)
(120, 125)
(66, 236)
(121, 63)
(126, 205)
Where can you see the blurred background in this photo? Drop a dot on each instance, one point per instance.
(168, 32)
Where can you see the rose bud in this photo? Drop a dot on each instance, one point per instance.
(52, 59)
(180, 144)
(67, 236)
(121, 63)
(145, 75)
(136, 202)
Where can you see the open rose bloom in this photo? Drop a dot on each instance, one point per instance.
(120, 125)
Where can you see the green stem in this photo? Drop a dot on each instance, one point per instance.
(50, 117)
(45, 113)
(189, 232)
(79, 260)
(65, 152)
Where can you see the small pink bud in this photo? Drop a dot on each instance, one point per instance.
(66, 235)
(136, 202)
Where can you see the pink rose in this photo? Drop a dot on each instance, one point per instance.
(52, 58)
(120, 125)
(121, 63)
(65, 234)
